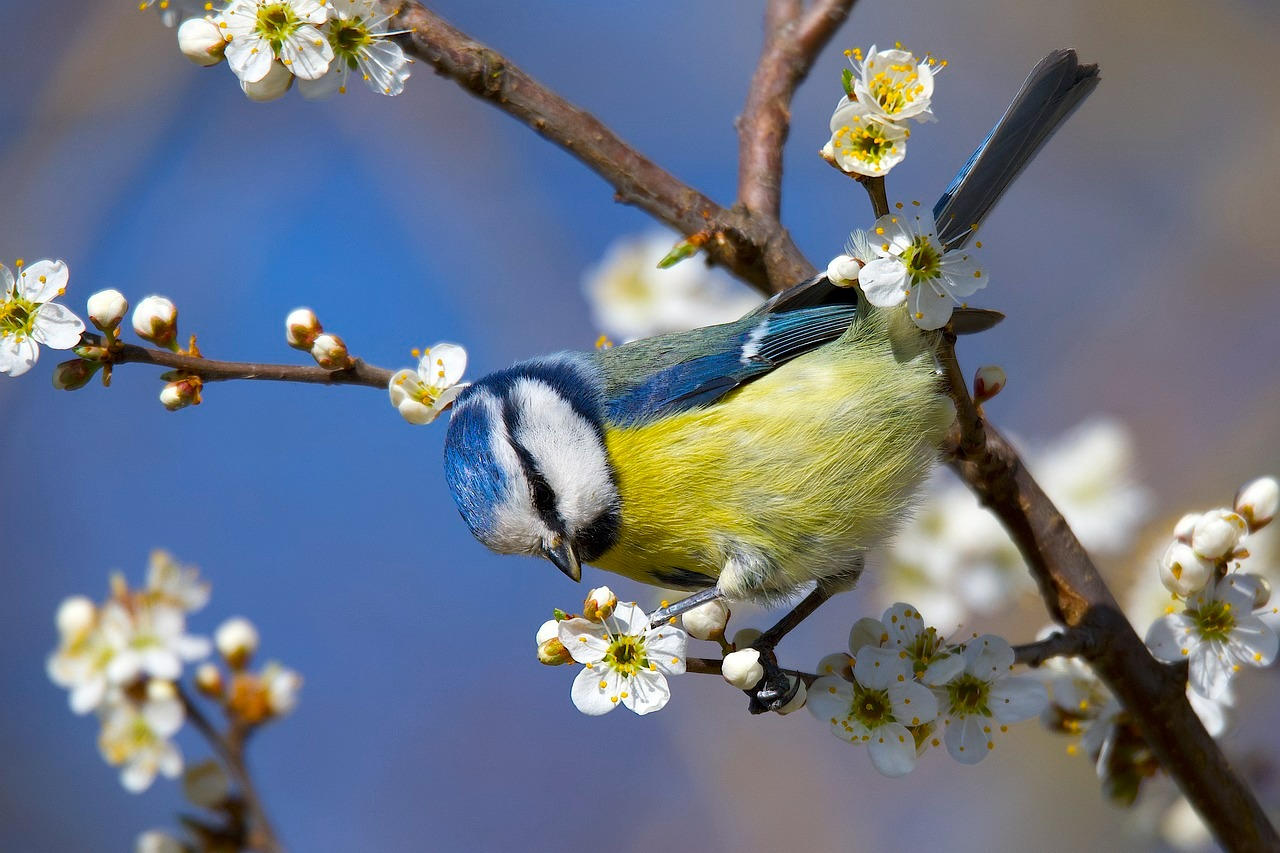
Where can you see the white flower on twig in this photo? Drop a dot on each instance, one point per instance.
(627, 662)
(261, 31)
(420, 396)
(357, 33)
(29, 316)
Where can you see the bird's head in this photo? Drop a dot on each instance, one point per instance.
(525, 459)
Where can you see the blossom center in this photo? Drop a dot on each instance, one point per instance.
(17, 317)
(277, 22)
(1214, 620)
(349, 39)
(968, 695)
(923, 648)
(896, 89)
(872, 707)
(626, 655)
(865, 142)
(922, 259)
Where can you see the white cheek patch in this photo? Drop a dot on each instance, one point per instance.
(567, 451)
(516, 526)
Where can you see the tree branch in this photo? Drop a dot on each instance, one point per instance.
(210, 370)
(230, 750)
(759, 251)
(1154, 694)
(792, 41)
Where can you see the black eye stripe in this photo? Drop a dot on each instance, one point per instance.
(544, 498)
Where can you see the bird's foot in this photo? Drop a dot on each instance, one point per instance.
(775, 690)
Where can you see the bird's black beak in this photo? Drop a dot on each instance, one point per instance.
(566, 559)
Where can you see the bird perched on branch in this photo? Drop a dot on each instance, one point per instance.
(746, 459)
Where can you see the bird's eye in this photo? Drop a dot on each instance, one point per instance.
(543, 498)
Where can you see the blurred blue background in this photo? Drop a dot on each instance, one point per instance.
(1135, 260)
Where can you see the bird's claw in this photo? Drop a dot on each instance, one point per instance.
(775, 690)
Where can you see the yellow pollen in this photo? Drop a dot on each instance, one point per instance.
(603, 685)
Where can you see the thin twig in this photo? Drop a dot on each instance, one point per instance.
(1057, 645)
(1154, 694)
(210, 370)
(793, 38)
(759, 251)
(231, 750)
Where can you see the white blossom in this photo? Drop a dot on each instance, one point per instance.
(984, 696)
(863, 142)
(421, 396)
(912, 266)
(876, 708)
(170, 582)
(135, 737)
(893, 84)
(260, 31)
(631, 298)
(271, 87)
(626, 661)
(29, 316)
(1216, 634)
(358, 35)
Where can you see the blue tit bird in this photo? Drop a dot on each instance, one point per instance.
(747, 459)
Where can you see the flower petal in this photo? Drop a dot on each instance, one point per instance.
(1210, 670)
(967, 739)
(1016, 698)
(17, 356)
(584, 640)
(56, 327)
(42, 281)
(930, 308)
(442, 365)
(830, 699)
(1171, 638)
(912, 703)
(892, 750)
(596, 690)
(646, 692)
(884, 282)
(307, 53)
(250, 57)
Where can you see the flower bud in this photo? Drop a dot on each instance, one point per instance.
(201, 41)
(74, 374)
(209, 680)
(798, 700)
(76, 616)
(156, 320)
(745, 637)
(330, 352)
(236, 640)
(707, 621)
(301, 328)
(1185, 527)
(107, 309)
(550, 650)
(1183, 571)
(843, 270)
(1258, 501)
(600, 604)
(206, 784)
(271, 87)
(282, 686)
(742, 669)
(988, 381)
(157, 841)
(181, 393)
(1217, 534)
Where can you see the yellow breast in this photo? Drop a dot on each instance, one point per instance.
(784, 480)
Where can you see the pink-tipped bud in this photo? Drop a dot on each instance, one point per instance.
(156, 320)
(599, 605)
(1258, 501)
(74, 374)
(107, 309)
(707, 621)
(988, 381)
(201, 41)
(301, 328)
(182, 393)
(330, 352)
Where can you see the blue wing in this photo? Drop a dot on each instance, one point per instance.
(762, 345)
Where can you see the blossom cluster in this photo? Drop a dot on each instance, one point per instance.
(902, 260)
(884, 92)
(123, 659)
(625, 660)
(902, 681)
(270, 43)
